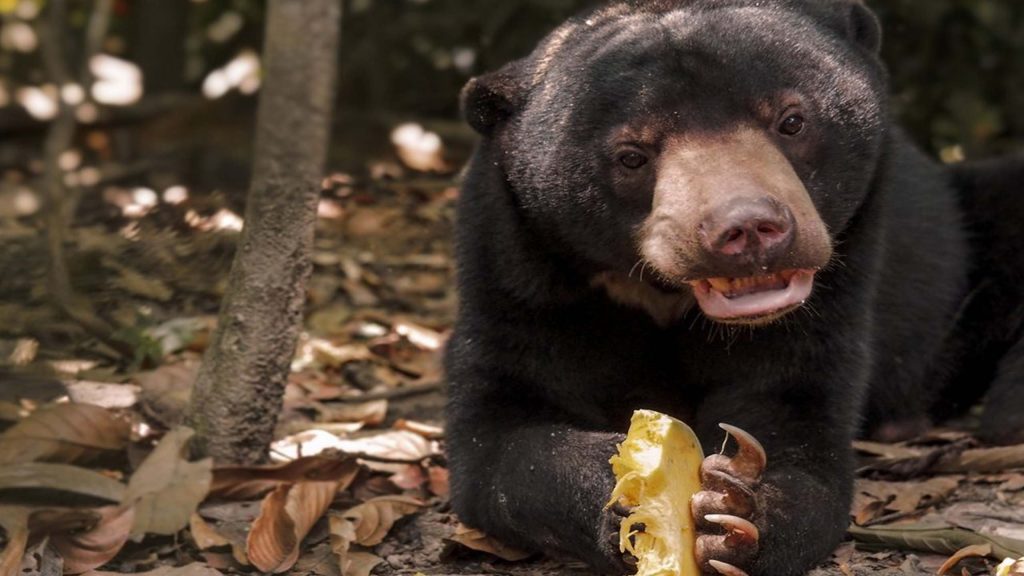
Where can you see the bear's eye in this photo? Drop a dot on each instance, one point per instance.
(633, 160)
(792, 125)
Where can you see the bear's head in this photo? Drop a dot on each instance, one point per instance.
(718, 147)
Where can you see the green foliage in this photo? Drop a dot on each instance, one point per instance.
(957, 70)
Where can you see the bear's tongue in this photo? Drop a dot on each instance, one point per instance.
(759, 296)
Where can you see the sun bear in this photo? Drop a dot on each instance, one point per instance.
(702, 207)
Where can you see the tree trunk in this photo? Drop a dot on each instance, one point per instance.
(239, 390)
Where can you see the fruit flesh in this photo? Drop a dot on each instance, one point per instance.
(658, 471)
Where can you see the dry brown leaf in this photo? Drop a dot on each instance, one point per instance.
(360, 563)
(84, 550)
(55, 481)
(10, 412)
(438, 480)
(884, 450)
(286, 516)
(476, 540)
(410, 477)
(428, 431)
(204, 535)
(974, 551)
(244, 482)
(369, 413)
(374, 518)
(63, 433)
(14, 521)
(166, 391)
(400, 445)
(983, 460)
(335, 356)
(103, 394)
(167, 488)
(366, 525)
(873, 497)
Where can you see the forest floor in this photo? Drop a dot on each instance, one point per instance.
(150, 246)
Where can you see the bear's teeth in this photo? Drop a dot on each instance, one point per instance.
(722, 285)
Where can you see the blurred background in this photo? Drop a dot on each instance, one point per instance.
(158, 101)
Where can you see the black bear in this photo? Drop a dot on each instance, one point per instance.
(701, 207)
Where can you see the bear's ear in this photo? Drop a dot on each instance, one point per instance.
(863, 27)
(491, 99)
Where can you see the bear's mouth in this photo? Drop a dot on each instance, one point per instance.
(753, 300)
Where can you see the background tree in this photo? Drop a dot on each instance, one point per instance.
(239, 389)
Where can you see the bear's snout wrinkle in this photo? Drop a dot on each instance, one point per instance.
(758, 229)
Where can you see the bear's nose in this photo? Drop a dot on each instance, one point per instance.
(756, 229)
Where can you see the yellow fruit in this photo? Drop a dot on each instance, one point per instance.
(658, 471)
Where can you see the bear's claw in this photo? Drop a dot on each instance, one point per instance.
(726, 569)
(727, 506)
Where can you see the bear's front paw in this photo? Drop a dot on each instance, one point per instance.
(615, 561)
(726, 509)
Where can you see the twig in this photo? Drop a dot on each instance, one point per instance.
(58, 140)
(392, 394)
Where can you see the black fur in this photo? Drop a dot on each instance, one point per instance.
(545, 370)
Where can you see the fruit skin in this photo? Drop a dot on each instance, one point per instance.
(658, 471)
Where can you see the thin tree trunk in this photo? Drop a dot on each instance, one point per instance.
(239, 390)
(59, 199)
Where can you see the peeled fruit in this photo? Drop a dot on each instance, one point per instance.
(1010, 567)
(658, 471)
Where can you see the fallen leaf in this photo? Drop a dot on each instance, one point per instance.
(983, 460)
(998, 518)
(438, 481)
(244, 482)
(374, 518)
(10, 412)
(183, 333)
(927, 538)
(167, 488)
(204, 535)
(369, 413)
(428, 431)
(83, 551)
(62, 479)
(14, 521)
(972, 551)
(286, 516)
(403, 446)
(335, 356)
(360, 563)
(103, 394)
(63, 433)
(476, 540)
(352, 562)
(303, 445)
(317, 561)
(873, 497)
(166, 391)
(421, 336)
